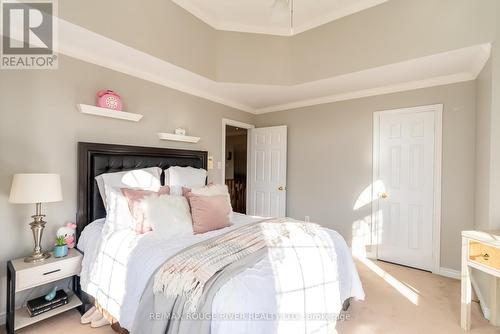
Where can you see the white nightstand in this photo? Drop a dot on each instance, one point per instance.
(22, 276)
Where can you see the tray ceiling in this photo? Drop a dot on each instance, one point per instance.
(272, 16)
(433, 70)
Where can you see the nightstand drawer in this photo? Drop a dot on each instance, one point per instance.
(484, 254)
(49, 272)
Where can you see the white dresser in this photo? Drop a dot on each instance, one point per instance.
(480, 250)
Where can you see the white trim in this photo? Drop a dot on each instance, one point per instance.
(438, 162)
(477, 290)
(174, 137)
(105, 112)
(373, 252)
(451, 273)
(335, 15)
(277, 31)
(401, 87)
(436, 232)
(227, 121)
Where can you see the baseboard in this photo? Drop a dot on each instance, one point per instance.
(451, 273)
(482, 303)
(2, 318)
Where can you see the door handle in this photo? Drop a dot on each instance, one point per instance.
(281, 188)
(384, 195)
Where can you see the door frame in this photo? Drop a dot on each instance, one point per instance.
(238, 124)
(437, 109)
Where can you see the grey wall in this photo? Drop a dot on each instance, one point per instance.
(482, 157)
(482, 202)
(253, 58)
(487, 190)
(330, 159)
(40, 127)
(391, 32)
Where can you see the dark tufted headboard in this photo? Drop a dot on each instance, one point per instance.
(95, 159)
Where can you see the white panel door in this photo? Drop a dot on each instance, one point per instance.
(406, 168)
(267, 172)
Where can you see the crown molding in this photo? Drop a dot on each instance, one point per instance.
(335, 15)
(432, 82)
(276, 31)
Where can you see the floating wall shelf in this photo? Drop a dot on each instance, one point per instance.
(98, 111)
(174, 137)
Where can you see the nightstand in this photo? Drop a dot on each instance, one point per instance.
(22, 276)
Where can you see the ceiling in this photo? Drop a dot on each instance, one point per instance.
(439, 69)
(272, 16)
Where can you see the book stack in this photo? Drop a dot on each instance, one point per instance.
(40, 305)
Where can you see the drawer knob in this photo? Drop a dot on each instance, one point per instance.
(486, 256)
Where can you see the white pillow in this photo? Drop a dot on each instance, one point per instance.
(118, 216)
(169, 216)
(145, 178)
(185, 176)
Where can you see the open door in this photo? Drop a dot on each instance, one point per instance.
(267, 172)
(236, 165)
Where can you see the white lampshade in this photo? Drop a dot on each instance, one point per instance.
(35, 188)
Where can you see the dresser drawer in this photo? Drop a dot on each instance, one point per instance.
(49, 272)
(484, 254)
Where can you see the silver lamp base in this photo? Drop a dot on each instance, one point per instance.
(37, 227)
(36, 257)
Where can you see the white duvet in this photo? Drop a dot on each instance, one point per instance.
(117, 268)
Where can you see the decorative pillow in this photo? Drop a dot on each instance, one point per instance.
(145, 178)
(210, 190)
(209, 212)
(168, 215)
(135, 199)
(185, 176)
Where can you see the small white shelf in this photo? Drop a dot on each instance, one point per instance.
(98, 111)
(174, 137)
(23, 319)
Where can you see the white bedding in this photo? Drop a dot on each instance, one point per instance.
(118, 276)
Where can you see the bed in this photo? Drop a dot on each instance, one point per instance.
(244, 303)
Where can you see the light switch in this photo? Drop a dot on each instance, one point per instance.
(219, 165)
(210, 164)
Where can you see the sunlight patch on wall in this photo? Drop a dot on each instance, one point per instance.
(369, 194)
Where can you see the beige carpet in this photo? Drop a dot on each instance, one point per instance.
(398, 300)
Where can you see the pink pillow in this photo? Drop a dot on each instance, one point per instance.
(134, 198)
(209, 212)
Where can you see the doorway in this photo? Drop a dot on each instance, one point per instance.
(407, 209)
(235, 176)
(254, 168)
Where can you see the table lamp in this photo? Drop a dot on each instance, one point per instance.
(36, 189)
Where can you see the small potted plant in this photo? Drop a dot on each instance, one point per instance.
(61, 249)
